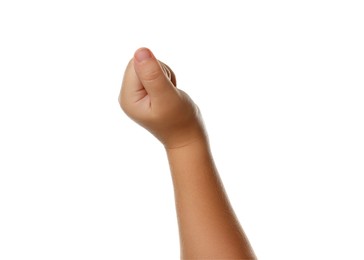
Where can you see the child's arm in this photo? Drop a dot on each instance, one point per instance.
(208, 227)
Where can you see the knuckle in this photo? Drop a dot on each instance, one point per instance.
(166, 70)
(122, 103)
(152, 75)
(120, 100)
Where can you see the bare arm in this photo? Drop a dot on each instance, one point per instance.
(207, 223)
(208, 226)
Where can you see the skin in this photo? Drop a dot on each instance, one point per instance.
(208, 227)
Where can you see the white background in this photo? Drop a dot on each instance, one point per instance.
(280, 86)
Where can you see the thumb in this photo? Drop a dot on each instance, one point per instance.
(151, 73)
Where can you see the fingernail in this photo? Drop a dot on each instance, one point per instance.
(143, 54)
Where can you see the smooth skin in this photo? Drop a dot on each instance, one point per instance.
(208, 227)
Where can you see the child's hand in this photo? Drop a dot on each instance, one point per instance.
(149, 96)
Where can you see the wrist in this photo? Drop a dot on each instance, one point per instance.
(193, 144)
(186, 137)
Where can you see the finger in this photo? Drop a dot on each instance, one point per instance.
(132, 88)
(151, 74)
(169, 73)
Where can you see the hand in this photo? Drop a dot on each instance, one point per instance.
(150, 97)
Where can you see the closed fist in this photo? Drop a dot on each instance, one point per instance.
(150, 97)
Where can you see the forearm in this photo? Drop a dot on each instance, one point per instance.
(208, 226)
